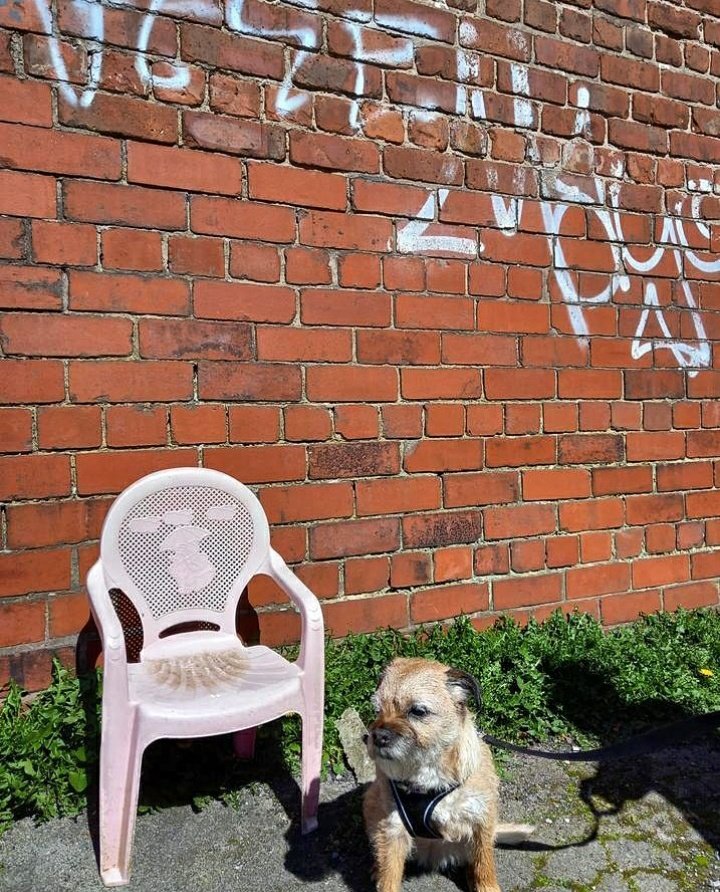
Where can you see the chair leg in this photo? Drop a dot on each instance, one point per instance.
(312, 736)
(120, 765)
(244, 743)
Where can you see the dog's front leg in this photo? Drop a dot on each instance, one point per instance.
(481, 870)
(392, 848)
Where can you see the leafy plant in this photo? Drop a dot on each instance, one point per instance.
(48, 749)
(565, 678)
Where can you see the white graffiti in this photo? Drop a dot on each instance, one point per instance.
(425, 232)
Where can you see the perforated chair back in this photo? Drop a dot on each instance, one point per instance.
(182, 545)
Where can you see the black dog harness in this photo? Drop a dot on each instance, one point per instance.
(416, 809)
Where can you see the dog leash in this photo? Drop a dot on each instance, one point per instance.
(648, 742)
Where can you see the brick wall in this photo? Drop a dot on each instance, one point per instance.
(437, 279)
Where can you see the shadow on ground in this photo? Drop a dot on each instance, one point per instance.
(685, 773)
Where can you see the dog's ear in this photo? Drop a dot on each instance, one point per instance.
(463, 685)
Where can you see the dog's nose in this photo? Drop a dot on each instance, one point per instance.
(365, 737)
(382, 736)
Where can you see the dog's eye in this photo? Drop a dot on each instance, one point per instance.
(418, 712)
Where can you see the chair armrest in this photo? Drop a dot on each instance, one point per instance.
(312, 641)
(111, 632)
(103, 611)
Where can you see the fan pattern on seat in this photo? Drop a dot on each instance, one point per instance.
(198, 537)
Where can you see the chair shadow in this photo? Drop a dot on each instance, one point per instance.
(684, 774)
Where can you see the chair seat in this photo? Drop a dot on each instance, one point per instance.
(206, 675)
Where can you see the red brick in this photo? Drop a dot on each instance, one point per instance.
(260, 263)
(555, 483)
(660, 571)
(320, 306)
(366, 614)
(364, 575)
(288, 185)
(16, 430)
(401, 421)
(194, 339)
(356, 422)
(603, 579)
(444, 455)
(484, 488)
(22, 622)
(128, 293)
(518, 521)
(29, 572)
(64, 243)
(528, 555)
(132, 250)
(342, 538)
(441, 383)
(183, 169)
(452, 563)
(526, 591)
(410, 569)
(449, 601)
(353, 460)
(27, 194)
(441, 529)
(244, 302)
(122, 116)
(254, 424)
(445, 313)
(691, 595)
(307, 266)
(120, 382)
(28, 288)
(69, 427)
(284, 344)
(625, 608)
(111, 472)
(241, 219)
(31, 381)
(197, 255)
(226, 134)
(12, 240)
(73, 154)
(136, 426)
(445, 420)
(125, 205)
(198, 424)
(35, 525)
(306, 423)
(397, 496)
(240, 381)
(49, 334)
(314, 501)
(596, 514)
(34, 476)
(333, 152)
(518, 452)
(68, 614)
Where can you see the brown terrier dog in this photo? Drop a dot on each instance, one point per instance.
(436, 792)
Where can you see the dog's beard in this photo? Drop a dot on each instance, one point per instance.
(404, 760)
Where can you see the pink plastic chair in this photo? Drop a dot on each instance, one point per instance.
(182, 545)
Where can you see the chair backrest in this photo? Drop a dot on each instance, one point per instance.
(182, 545)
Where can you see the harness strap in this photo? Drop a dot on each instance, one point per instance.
(416, 810)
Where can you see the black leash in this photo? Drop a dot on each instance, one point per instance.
(648, 742)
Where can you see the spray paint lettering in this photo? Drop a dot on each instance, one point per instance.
(423, 233)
